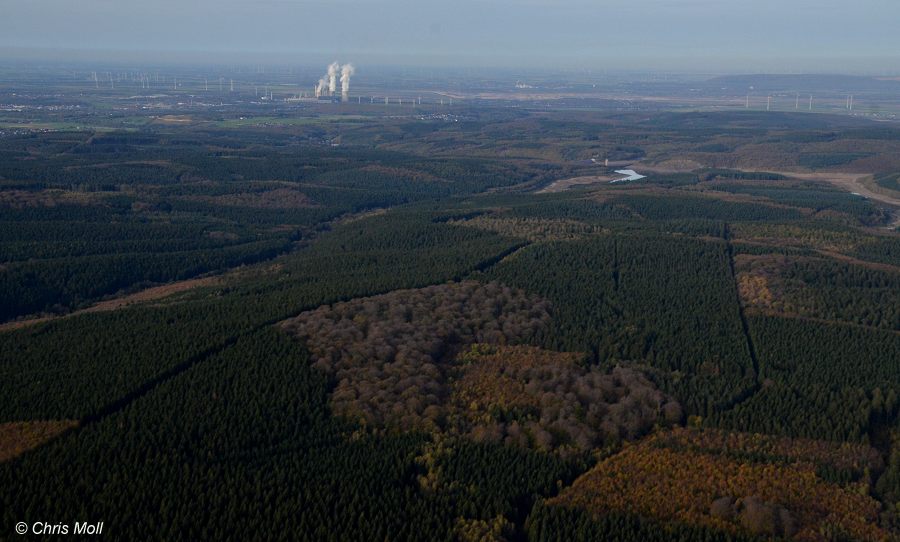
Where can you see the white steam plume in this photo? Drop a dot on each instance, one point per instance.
(332, 76)
(346, 71)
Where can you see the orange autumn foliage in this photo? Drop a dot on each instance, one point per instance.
(678, 475)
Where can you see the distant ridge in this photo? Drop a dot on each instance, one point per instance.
(806, 82)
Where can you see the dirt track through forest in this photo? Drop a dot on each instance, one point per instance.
(852, 182)
(150, 294)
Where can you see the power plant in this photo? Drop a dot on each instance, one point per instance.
(327, 85)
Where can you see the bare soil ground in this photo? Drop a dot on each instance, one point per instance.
(17, 438)
(354, 217)
(174, 119)
(858, 183)
(150, 294)
(565, 184)
(852, 182)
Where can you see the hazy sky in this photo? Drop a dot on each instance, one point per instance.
(567, 33)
